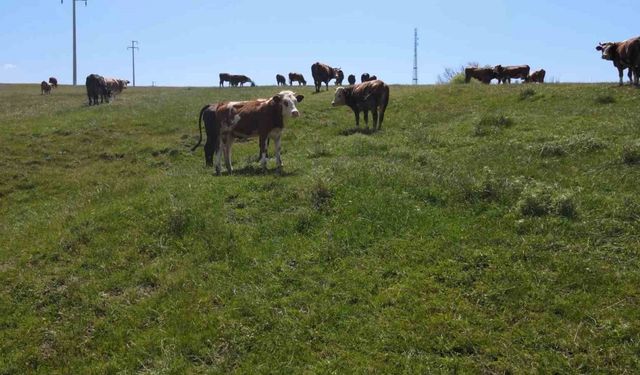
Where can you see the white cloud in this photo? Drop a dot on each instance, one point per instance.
(8, 66)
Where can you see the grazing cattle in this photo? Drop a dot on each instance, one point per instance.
(506, 73)
(536, 77)
(280, 80)
(322, 73)
(296, 77)
(351, 79)
(339, 77)
(54, 82)
(367, 96)
(624, 55)
(45, 88)
(264, 118)
(115, 86)
(224, 77)
(484, 75)
(235, 79)
(97, 87)
(364, 77)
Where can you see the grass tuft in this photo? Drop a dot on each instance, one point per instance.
(631, 153)
(605, 99)
(491, 124)
(527, 93)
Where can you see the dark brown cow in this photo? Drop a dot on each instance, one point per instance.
(280, 80)
(367, 96)
(351, 79)
(322, 73)
(263, 118)
(624, 55)
(235, 79)
(54, 82)
(506, 73)
(536, 77)
(45, 88)
(224, 77)
(97, 87)
(296, 77)
(339, 77)
(364, 77)
(484, 75)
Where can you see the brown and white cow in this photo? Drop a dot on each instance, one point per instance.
(263, 118)
(351, 79)
(280, 80)
(296, 77)
(239, 79)
(322, 73)
(116, 86)
(624, 55)
(536, 77)
(53, 81)
(45, 88)
(506, 73)
(224, 77)
(484, 75)
(367, 96)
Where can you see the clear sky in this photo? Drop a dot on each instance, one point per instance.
(188, 42)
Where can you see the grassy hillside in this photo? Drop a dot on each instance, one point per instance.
(485, 229)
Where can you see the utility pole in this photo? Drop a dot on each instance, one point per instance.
(75, 61)
(133, 49)
(415, 56)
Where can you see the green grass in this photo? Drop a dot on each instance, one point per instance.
(423, 248)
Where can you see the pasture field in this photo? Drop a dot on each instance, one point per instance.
(485, 229)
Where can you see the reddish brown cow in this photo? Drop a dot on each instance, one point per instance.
(506, 73)
(296, 77)
(224, 77)
(624, 55)
(45, 88)
(322, 73)
(280, 80)
(484, 75)
(536, 77)
(264, 118)
(235, 79)
(367, 96)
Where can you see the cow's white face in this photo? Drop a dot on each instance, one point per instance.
(288, 102)
(607, 50)
(340, 97)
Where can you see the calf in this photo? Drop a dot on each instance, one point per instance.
(54, 82)
(624, 55)
(97, 87)
(296, 77)
(235, 79)
(224, 77)
(484, 75)
(367, 96)
(351, 79)
(536, 77)
(263, 118)
(322, 73)
(506, 73)
(280, 80)
(339, 77)
(45, 88)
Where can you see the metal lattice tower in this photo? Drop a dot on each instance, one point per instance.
(415, 56)
(75, 60)
(133, 49)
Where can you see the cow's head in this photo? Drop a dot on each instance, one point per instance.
(288, 101)
(340, 97)
(608, 50)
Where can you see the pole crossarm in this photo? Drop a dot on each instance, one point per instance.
(133, 47)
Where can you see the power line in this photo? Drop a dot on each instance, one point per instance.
(133, 49)
(75, 60)
(415, 56)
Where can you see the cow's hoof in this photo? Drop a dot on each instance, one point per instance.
(279, 171)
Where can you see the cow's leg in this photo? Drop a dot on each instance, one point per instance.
(357, 114)
(276, 137)
(381, 118)
(263, 152)
(620, 75)
(218, 155)
(366, 118)
(227, 153)
(374, 113)
(209, 150)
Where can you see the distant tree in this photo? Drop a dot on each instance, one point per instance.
(453, 75)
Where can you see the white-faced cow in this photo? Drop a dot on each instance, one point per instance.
(367, 96)
(263, 118)
(624, 55)
(280, 80)
(322, 73)
(116, 86)
(54, 82)
(45, 87)
(297, 77)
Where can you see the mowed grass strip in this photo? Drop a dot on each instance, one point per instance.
(483, 230)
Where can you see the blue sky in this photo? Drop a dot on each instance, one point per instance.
(188, 42)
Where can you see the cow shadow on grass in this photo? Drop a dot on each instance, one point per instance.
(351, 131)
(256, 170)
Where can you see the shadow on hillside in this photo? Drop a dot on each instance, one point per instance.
(366, 131)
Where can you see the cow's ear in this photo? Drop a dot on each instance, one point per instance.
(276, 98)
(299, 98)
(599, 48)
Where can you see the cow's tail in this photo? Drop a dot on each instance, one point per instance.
(200, 127)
